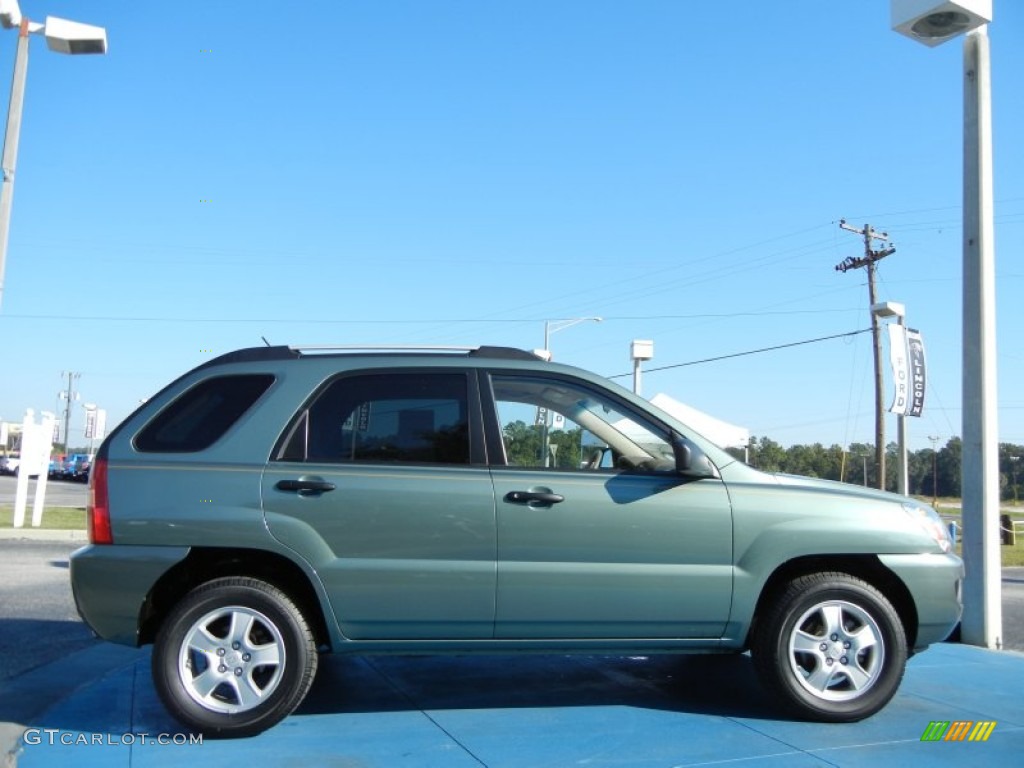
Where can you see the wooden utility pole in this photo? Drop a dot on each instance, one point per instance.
(868, 261)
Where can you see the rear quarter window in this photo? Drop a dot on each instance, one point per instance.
(203, 414)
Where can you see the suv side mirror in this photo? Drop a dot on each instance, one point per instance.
(691, 461)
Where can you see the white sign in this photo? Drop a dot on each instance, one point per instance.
(900, 369)
(36, 444)
(906, 355)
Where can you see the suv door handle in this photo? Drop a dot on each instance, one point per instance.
(305, 487)
(539, 497)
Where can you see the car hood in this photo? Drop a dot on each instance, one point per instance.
(835, 487)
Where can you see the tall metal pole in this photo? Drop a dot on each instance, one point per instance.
(10, 154)
(903, 477)
(983, 617)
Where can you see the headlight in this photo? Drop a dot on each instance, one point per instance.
(930, 521)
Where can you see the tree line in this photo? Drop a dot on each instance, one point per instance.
(929, 472)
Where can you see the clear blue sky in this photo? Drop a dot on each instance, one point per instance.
(442, 172)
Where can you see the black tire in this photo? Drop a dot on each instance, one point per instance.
(234, 657)
(831, 646)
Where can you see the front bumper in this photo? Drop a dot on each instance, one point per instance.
(934, 581)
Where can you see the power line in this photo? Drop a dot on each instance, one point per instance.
(748, 352)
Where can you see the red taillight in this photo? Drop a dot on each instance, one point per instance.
(98, 512)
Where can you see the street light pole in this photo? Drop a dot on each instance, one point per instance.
(982, 622)
(553, 326)
(62, 36)
(13, 133)
(893, 309)
(639, 351)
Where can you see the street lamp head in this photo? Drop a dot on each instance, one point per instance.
(641, 349)
(889, 309)
(933, 22)
(73, 37)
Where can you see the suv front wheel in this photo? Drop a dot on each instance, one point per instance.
(234, 657)
(831, 646)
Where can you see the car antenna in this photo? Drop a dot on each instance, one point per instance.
(265, 340)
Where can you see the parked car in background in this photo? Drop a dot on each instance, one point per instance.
(276, 502)
(76, 467)
(56, 470)
(9, 465)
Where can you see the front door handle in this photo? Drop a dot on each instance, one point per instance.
(305, 487)
(533, 497)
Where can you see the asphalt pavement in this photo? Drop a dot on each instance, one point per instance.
(59, 493)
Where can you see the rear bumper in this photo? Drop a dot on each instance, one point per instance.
(935, 583)
(110, 584)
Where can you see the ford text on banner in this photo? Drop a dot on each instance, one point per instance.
(900, 369)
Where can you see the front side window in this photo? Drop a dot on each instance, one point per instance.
(558, 424)
(407, 417)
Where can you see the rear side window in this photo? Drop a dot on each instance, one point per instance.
(202, 415)
(419, 417)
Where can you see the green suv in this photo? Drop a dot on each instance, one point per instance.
(279, 502)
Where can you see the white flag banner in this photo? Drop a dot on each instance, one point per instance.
(915, 348)
(898, 359)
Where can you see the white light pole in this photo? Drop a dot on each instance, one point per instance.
(62, 36)
(933, 22)
(894, 309)
(639, 351)
(553, 326)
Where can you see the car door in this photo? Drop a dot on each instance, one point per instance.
(598, 535)
(381, 484)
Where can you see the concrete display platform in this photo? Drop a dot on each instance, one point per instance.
(533, 711)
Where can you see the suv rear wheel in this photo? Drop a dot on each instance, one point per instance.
(234, 657)
(831, 646)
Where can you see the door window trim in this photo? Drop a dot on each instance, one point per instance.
(477, 448)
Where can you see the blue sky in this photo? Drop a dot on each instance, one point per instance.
(458, 172)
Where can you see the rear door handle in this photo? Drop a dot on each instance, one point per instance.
(535, 497)
(305, 487)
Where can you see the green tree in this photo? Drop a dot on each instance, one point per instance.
(767, 455)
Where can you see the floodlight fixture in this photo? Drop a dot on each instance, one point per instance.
(933, 22)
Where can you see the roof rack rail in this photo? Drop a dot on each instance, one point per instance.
(508, 353)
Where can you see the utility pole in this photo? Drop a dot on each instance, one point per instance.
(68, 396)
(868, 261)
(935, 470)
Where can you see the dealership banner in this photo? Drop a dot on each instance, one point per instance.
(906, 356)
(900, 369)
(915, 345)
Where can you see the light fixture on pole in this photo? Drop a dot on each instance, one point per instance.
(639, 351)
(894, 309)
(553, 326)
(932, 22)
(550, 327)
(62, 36)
